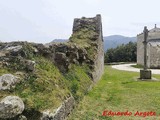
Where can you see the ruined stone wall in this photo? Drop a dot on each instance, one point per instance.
(95, 42)
(85, 48)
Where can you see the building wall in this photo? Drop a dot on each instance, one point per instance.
(153, 51)
(154, 54)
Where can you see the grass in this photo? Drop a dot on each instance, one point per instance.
(137, 66)
(42, 89)
(78, 81)
(119, 91)
(46, 87)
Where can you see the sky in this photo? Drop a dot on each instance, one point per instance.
(42, 21)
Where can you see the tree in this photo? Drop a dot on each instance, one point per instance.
(122, 53)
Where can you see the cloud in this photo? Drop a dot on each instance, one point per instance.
(93, 2)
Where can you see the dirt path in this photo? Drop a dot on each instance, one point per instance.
(128, 67)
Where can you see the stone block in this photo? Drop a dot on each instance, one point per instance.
(145, 74)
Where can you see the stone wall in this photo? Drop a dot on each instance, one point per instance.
(154, 54)
(140, 50)
(85, 46)
(96, 42)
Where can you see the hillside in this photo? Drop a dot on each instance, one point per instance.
(109, 41)
(115, 40)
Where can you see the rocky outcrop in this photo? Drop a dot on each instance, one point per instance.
(8, 81)
(10, 107)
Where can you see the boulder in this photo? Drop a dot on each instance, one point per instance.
(10, 107)
(8, 81)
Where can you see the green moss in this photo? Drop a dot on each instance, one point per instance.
(85, 38)
(43, 89)
(78, 81)
(3, 71)
(27, 51)
(46, 87)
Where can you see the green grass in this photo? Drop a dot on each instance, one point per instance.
(42, 89)
(46, 87)
(137, 66)
(78, 81)
(119, 91)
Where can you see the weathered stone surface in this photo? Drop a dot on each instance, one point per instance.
(62, 61)
(145, 74)
(11, 106)
(96, 41)
(8, 81)
(30, 65)
(67, 53)
(42, 49)
(14, 50)
(84, 23)
(22, 117)
(62, 112)
(10, 49)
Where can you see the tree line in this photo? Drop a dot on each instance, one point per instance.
(122, 53)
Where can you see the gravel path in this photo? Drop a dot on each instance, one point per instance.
(128, 67)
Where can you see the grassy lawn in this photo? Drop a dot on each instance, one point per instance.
(120, 91)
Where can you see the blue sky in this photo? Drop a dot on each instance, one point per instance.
(44, 20)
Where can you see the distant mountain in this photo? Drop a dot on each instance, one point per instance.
(109, 41)
(60, 40)
(115, 40)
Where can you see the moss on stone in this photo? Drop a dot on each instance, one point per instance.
(78, 81)
(46, 87)
(86, 38)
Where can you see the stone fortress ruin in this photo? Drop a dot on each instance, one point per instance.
(153, 48)
(56, 74)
